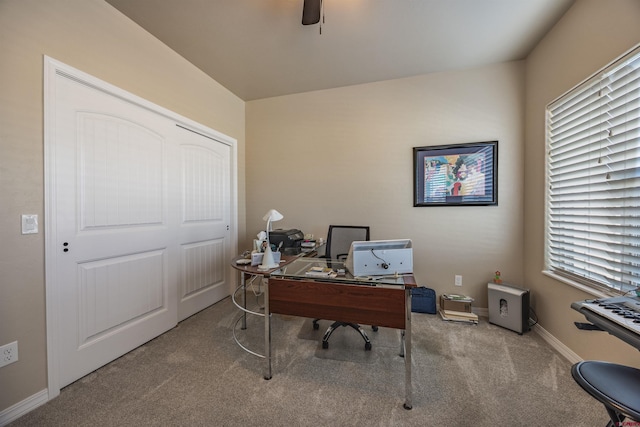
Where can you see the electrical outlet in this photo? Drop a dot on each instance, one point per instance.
(458, 281)
(8, 353)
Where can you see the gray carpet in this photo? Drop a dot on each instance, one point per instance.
(196, 375)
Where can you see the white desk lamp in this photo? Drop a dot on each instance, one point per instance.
(267, 259)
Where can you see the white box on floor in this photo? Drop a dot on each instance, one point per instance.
(509, 307)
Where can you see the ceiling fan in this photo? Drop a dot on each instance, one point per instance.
(311, 12)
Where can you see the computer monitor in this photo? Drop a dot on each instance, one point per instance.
(380, 257)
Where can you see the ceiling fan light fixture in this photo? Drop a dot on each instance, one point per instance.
(311, 12)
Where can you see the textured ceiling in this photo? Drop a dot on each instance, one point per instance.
(259, 48)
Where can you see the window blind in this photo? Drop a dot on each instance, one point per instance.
(593, 176)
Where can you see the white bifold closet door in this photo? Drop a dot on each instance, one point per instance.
(203, 227)
(141, 209)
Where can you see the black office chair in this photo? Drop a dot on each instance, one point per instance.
(339, 240)
(617, 387)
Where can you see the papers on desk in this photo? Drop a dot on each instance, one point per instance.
(320, 272)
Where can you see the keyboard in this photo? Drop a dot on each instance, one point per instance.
(625, 311)
(620, 316)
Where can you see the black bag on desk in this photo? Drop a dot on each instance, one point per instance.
(423, 300)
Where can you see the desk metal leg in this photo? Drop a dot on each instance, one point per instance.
(407, 352)
(243, 283)
(267, 333)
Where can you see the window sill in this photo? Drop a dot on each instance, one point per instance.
(595, 292)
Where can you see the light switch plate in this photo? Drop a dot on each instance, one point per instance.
(29, 224)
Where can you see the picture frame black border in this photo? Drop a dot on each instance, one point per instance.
(490, 171)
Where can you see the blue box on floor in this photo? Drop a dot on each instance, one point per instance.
(423, 300)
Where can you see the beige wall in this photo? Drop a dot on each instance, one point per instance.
(344, 156)
(95, 38)
(590, 35)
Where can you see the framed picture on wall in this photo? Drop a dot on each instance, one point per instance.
(456, 175)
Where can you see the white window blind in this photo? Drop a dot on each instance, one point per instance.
(593, 176)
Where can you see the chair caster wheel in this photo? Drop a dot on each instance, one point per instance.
(325, 344)
(316, 326)
(367, 346)
(375, 328)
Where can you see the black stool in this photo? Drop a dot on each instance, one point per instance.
(617, 387)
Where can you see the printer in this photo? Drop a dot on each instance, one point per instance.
(291, 240)
(380, 257)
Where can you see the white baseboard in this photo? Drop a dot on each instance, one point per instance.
(19, 409)
(545, 335)
(481, 312)
(556, 344)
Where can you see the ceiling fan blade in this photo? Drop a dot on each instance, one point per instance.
(311, 12)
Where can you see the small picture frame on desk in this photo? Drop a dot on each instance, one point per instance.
(258, 245)
(456, 175)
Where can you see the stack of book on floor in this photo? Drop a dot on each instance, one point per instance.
(457, 308)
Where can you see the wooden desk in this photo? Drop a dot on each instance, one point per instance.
(369, 305)
(384, 302)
